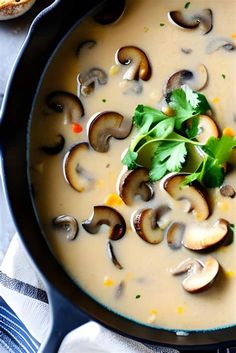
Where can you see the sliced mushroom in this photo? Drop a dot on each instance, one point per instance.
(67, 225)
(13, 9)
(90, 80)
(109, 216)
(136, 59)
(56, 147)
(111, 12)
(112, 256)
(67, 103)
(220, 43)
(186, 50)
(203, 19)
(86, 44)
(175, 234)
(129, 87)
(74, 173)
(146, 224)
(227, 191)
(135, 183)
(106, 125)
(192, 193)
(198, 237)
(119, 291)
(207, 128)
(195, 80)
(200, 275)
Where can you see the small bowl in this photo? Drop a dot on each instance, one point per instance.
(13, 8)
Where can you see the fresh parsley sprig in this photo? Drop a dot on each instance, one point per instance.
(161, 141)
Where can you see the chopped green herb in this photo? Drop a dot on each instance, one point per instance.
(104, 100)
(138, 296)
(162, 24)
(161, 142)
(186, 6)
(224, 77)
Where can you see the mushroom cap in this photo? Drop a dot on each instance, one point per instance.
(198, 237)
(135, 183)
(196, 80)
(74, 173)
(145, 224)
(12, 9)
(192, 193)
(200, 275)
(104, 126)
(136, 59)
(67, 225)
(109, 216)
(174, 235)
(202, 19)
(220, 43)
(207, 127)
(112, 256)
(67, 103)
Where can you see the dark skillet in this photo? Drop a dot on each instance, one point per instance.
(70, 306)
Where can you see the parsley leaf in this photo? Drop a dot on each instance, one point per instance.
(130, 159)
(233, 228)
(192, 129)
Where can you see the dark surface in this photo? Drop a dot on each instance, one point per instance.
(12, 35)
(13, 131)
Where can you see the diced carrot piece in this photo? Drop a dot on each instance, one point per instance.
(113, 200)
(76, 128)
(229, 131)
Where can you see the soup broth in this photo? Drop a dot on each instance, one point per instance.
(129, 275)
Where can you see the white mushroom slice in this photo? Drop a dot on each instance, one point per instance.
(175, 234)
(88, 81)
(220, 43)
(146, 224)
(198, 237)
(67, 225)
(207, 128)
(202, 19)
(200, 274)
(195, 196)
(106, 125)
(136, 59)
(75, 174)
(135, 183)
(195, 80)
(66, 103)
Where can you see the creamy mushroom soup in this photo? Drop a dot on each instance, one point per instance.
(132, 161)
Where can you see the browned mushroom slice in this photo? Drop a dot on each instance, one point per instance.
(192, 193)
(112, 256)
(87, 44)
(110, 12)
(106, 125)
(66, 103)
(74, 172)
(90, 80)
(175, 234)
(203, 19)
(67, 225)
(135, 183)
(146, 224)
(198, 237)
(109, 216)
(56, 147)
(200, 275)
(136, 59)
(195, 80)
(220, 43)
(207, 128)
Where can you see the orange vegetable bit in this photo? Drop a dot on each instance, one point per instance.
(76, 128)
(229, 131)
